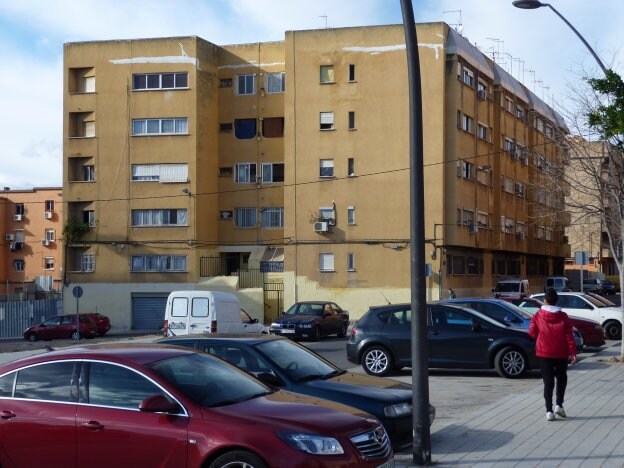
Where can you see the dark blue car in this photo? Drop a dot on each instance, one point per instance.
(290, 366)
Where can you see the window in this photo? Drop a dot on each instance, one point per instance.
(226, 172)
(87, 262)
(49, 382)
(48, 263)
(158, 263)
(19, 209)
(177, 126)
(456, 265)
(351, 72)
(482, 132)
(351, 120)
(481, 90)
(327, 74)
(351, 215)
(548, 131)
(467, 123)
(49, 206)
(164, 173)
(245, 84)
(326, 168)
(272, 217)
(458, 217)
(245, 129)
(519, 152)
(272, 172)
(159, 217)
(160, 81)
(507, 184)
(351, 167)
(81, 124)
(509, 105)
(326, 262)
(226, 127)
(49, 235)
(88, 173)
(18, 264)
(225, 83)
(507, 225)
(520, 189)
(549, 234)
(468, 77)
(88, 217)
(245, 217)
(350, 261)
(539, 124)
(484, 176)
(468, 217)
(245, 173)
(468, 170)
(273, 127)
(483, 220)
(508, 145)
(519, 111)
(327, 213)
(275, 82)
(327, 120)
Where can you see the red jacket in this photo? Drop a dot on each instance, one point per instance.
(552, 330)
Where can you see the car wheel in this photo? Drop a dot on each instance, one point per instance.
(377, 361)
(238, 459)
(343, 331)
(75, 335)
(32, 338)
(510, 363)
(613, 330)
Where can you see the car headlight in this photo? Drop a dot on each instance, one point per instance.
(400, 409)
(310, 443)
(275, 325)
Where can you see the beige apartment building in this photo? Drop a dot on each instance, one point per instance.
(192, 165)
(31, 258)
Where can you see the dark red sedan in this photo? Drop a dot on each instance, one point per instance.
(101, 322)
(156, 405)
(61, 326)
(592, 331)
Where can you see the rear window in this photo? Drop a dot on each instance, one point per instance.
(507, 287)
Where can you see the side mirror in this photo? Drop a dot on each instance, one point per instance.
(270, 379)
(157, 404)
(475, 325)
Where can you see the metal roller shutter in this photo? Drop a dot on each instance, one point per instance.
(148, 312)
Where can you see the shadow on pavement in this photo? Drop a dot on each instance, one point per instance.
(488, 440)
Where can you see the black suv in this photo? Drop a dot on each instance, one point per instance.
(458, 337)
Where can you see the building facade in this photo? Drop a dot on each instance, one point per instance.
(188, 164)
(31, 260)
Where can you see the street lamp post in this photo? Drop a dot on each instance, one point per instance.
(533, 4)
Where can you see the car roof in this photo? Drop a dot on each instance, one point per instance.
(137, 353)
(250, 338)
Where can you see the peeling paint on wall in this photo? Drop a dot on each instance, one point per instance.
(392, 48)
(252, 64)
(169, 59)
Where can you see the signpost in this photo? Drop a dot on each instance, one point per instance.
(581, 258)
(77, 292)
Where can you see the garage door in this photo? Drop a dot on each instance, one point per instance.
(148, 312)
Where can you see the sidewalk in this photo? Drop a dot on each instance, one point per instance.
(514, 431)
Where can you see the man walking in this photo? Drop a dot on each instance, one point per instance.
(552, 330)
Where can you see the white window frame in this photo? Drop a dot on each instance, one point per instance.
(246, 173)
(468, 170)
(19, 264)
(350, 261)
(326, 262)
(150, 85)
(326, 121)
(162, 263)
(482, 131)
(329, 76)
(467, 123)
(520, 189)
(483, 220)
(48, 263)
(147, 127)
(268, 171)
(159, 217)
(507, 184)
(163, 173)
(468, 217)
(87, 263)
(351, 215)
(468, 77)
(275, 82)
(327, 166)
(49, 206)
(50, 235)
(327, 213)
(246, 84)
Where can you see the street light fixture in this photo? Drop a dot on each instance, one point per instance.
(533, 4)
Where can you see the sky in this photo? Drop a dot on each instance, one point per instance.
(535, 46)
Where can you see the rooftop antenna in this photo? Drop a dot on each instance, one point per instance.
(324, 16)
(498, 43)
(459, 27)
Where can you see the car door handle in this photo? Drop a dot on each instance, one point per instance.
(93, 425)
(7, 414)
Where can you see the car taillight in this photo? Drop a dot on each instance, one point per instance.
(213, 326)
(354, 331)
(166, 327)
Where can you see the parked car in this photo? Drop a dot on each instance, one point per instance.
(155, 405)
(282, 363)
(312, 320)
(459, 338)
(504, 311)
(592, 332)
(586, 306)
(558, 283)
(512, 287)
(61, 326)
(101, 322)
(602, 299)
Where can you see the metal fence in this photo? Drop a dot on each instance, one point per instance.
(16, 316)
(247, 278)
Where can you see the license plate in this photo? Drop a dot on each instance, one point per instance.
(388, 464)
(287, 331)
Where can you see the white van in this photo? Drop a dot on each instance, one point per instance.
(190, 312)
(514, 288)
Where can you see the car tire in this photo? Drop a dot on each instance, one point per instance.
(237, 458)
(32, 338)
(613, 330)
(75, 335)
(510, 363)
(377, 360)
(343, 331)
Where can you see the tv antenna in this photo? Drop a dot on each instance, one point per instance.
(325, 17)
(459, 27)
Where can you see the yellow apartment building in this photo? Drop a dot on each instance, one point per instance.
(31, 258)
(190, 165)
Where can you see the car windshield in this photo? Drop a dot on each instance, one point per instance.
(507, 287)
(528, 306)
(295, 361)
(208, 381)
(306, 309)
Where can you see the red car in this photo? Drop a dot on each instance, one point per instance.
(61, 326)
(155, 405)
(101, 322)
(592, 331)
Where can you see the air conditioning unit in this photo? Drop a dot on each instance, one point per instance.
(520, 235)
(473, 228)
(9, 237)
(48, 214)
(321, 226)
(18, 217)
(45, 242)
